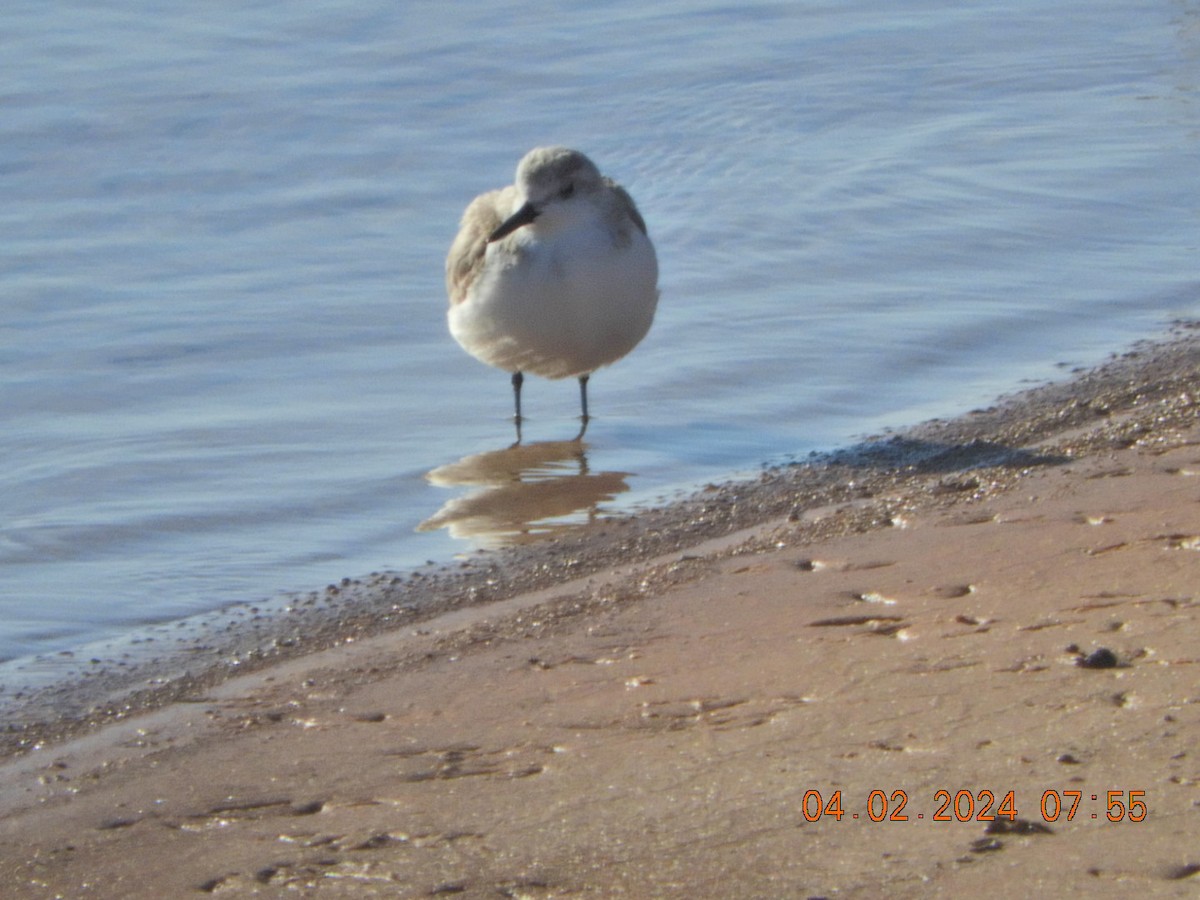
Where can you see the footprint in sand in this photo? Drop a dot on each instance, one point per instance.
(876, 625)
(871, 597)
(954, 591)
(840, 565)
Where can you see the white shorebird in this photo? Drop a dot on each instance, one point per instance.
(554, 275)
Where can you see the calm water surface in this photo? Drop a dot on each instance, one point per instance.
(224, 367)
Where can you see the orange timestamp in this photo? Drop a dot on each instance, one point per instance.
(980, 806)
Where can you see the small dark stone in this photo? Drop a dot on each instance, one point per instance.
(114, 824)
(1098, 659)
(1017, 826)
(374, 842)
(1185, 871)
(986, 845)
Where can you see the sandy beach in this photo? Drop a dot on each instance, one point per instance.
(954, 660)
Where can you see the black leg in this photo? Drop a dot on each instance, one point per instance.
(517, 380)
(583, 381)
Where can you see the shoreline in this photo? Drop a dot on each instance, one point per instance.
(1002, 438)
(954, 657)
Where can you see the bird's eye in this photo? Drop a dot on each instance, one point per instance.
(567, 191)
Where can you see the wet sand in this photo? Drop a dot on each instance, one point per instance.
(969, 625)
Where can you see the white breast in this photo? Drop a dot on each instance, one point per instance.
(559, 306)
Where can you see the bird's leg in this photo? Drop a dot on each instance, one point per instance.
(583, 381)
(517, 380)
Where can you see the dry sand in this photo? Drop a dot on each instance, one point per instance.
(685, 718)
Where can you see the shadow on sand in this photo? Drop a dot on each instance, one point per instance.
(927, 457)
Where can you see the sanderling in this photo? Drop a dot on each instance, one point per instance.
(554, 275)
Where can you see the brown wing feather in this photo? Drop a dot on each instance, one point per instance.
(465, 259)
(627, 204)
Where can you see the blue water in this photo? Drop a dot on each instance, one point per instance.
(224, 368)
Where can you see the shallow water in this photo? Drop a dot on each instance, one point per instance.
(224, 364)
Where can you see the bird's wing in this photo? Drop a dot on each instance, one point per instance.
(465, 260)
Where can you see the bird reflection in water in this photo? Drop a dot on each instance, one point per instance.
(523, 493)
